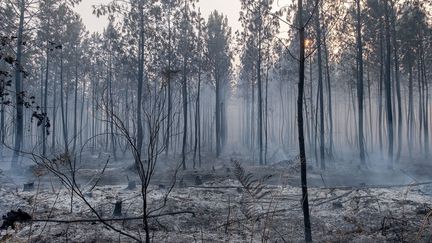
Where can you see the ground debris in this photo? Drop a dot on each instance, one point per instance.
(393, 214)
(12, 217)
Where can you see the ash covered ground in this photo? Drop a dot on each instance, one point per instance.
(214, 206)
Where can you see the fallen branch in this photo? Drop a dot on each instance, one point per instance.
(239, 220)
(268, 187)
(215, 187)
(374, 186)
(74, 221)
(333, 199)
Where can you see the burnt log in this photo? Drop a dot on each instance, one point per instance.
(14, 216)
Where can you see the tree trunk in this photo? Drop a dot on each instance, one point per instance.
(420, 106)
(330, 106)
(75, 127)
(185, 112)
(305, 201)
(266, 108)
(2, 128)
(63, 108)
(111, 104)
(19, 126)
(381, 88)
(320, 87)
(388, 86)
(360, 86)
(252, 117)
(218, 109)
(410, 127)
(54, 116)
(370, 110)
(197, 117)
(140, 82)
(425, 106)
(45, 104)
(184, 93)
(82, 113)
(94, 114)
(169, 116)
(260, 99)
(398, 88)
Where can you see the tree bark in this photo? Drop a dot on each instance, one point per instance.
(360, 86)
(218, 110)
(185, 112)
(410, 127)
(398, 88)
(388, 85)
(111, 105)
(305, 201)
(330, 101)
(169, 115)
(62, 106)
(19, 126)
(197, 114)
(75, 126)
(320, 87)
(260, 99)
(139, 137)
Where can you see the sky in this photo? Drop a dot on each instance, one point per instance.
(231, 8)
(93, 23)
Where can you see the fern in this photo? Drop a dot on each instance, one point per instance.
(254, 188)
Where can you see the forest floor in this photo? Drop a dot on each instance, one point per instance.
(366, 205)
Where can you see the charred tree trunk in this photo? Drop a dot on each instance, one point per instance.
(63, 108)
(330, 106)
(381, 88)
(218, 117)
(410, 125)
(260, 99)
(198, 118)
(398, 88)
(111, 109)
(54, 116)
(388, 85)
(75, 124)
(305, 201)
(184, 89)
(360, 86)
(139, 137)
(266, 109)
(320, 88)
(169, 115)
(82, 113)
(185, 112)
(45, 104)
(19, 99)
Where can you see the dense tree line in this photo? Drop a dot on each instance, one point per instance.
(365, 60)
(376, 51)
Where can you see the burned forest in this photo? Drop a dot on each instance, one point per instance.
(215, 121)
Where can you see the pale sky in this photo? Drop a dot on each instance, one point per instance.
(231, 8)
